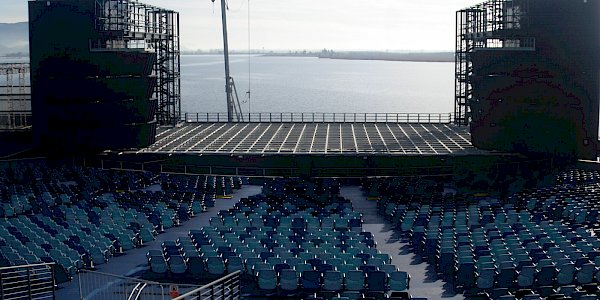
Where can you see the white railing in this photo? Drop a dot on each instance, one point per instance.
(102, 286)
(10, 120)
(226, 288)
(35, 281)
(289, 117)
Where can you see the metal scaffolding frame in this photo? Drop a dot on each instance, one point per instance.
(128, 24)
(15, 96)
(491, 25)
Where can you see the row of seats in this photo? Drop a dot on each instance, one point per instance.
(284, 241)
(500, 248)
(79, 217)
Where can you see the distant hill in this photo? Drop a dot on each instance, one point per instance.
(393, 56)
(14, 38)
(373, 55)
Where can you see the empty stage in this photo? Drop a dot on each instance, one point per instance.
(315, 138)
(314, 149)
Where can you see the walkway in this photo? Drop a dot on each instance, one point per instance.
(134, 260)
(424, 282)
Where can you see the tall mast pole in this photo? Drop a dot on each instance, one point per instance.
(228, 90)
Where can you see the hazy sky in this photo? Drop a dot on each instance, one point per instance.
(308, 24)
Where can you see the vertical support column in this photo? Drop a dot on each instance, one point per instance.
(228, 90)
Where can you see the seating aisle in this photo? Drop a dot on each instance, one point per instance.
(128, 265)
(423, 283)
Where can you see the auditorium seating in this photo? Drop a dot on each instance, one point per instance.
(288, 242)
(81, 217)
(540, 240)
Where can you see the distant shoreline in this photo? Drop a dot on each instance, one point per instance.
(391, 59)
(381, 56)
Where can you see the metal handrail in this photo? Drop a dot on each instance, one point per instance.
(102, 285)
(38, 282)
(137, 291)
(308, 117)
(209, 285)
(119, 277)
(26, 266)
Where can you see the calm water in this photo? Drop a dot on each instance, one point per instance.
(299, 84)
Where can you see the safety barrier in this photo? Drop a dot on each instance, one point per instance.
(102, 286)
(288, 117)
(34, 281)
(226, 288)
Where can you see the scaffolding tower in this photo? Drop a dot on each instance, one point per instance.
(127, 24)
(491, 25)
(15, 96)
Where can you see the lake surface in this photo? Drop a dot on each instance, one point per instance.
(305, 84)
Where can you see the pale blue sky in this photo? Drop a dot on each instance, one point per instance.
(308, 24)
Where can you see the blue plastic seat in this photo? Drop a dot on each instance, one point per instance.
(311, 280)
(375, 261)
(367, 268)
(195, 265)
(546, 272)
(465, 275)
(250, 262)
(526, 277)
(215, 265)
(399, 281)
(267, 279)
(314, 261)
(389, 269)
(158, 264)
(177, 264)
(234, 263)
(303, 267)
(288, 280)
(324, 268)
(354, 280)
(566, 274)
(281, 266)
(364, 256)
(377, 281)
(585, 274)
(260, 266)
(486, 278)
(332, 281)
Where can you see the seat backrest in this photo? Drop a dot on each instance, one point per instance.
(267, 279)
(250, 262)
(234, 263)
(526, 276)
(279, 267)
(303, 267)
(399, 281)
(565, 274)
(355, 280)
(388, 268)
(288, 279)
(486, 278)
(375, 261)
(311, 279)
(332, 281)
(532, 297)
(377, 281)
